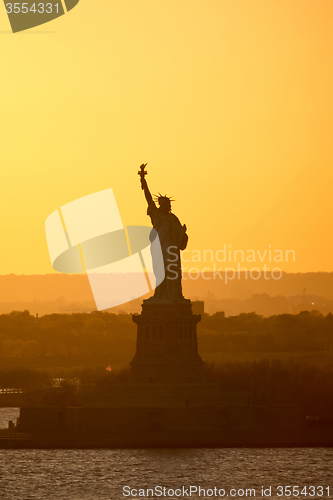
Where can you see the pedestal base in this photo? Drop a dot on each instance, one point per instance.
(167, 346)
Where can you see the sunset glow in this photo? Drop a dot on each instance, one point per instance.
(229, 102)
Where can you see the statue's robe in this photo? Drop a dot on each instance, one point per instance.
(173, 238)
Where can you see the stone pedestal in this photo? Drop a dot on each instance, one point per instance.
(167, 346)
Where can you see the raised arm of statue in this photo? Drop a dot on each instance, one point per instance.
(144, 184)
(148, 195)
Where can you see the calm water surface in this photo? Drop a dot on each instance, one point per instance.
(101, 474)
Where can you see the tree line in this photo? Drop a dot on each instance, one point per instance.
(105, 334)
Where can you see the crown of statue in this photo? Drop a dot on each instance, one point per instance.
(162, 199)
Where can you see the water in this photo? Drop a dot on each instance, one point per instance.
(102, 474)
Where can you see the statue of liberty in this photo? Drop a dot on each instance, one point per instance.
(173, 238)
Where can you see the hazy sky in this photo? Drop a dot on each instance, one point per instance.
(230, 102)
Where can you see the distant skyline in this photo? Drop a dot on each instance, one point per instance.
(229, 102)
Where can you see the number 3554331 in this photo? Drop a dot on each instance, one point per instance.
(36, 8)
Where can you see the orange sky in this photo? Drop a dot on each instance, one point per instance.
(230, 102)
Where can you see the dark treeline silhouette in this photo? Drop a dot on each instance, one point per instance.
(275, 382)
(23, 378)
(25, 336)
(253, 333)
(78, 347)
(112, 337)
(270, 383)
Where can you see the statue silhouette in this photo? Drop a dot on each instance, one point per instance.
(173, 238)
